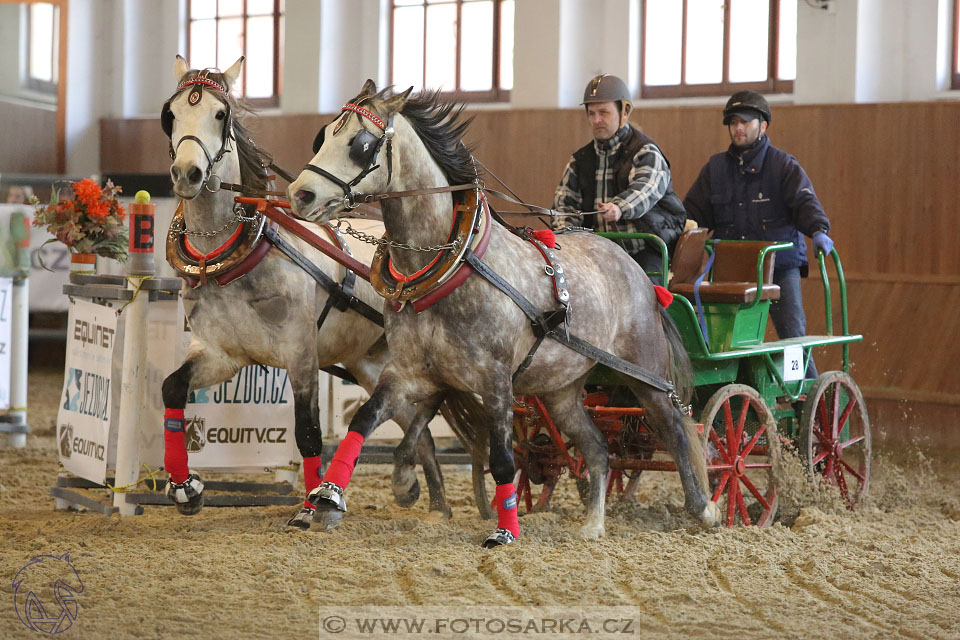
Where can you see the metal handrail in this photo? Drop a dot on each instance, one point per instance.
(828, 303)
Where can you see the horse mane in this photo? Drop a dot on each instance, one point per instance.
(253, 172)
(441, 127)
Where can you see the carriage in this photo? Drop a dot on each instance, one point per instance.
(750, 393)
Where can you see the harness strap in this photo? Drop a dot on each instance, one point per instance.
(340, 372)
(336, 296)
(696, 299)
(564, 337)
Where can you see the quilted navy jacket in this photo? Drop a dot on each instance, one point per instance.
(762, 195)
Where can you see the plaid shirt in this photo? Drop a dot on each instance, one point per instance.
(649, 181)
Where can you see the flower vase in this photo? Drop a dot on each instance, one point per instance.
(83, 263)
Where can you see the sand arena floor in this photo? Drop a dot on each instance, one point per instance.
(892, 569)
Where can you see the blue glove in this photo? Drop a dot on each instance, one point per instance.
(822, 242)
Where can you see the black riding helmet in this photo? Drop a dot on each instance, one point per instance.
(748, 103)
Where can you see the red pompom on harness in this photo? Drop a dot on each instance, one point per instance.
(664, 297)
(547, 237)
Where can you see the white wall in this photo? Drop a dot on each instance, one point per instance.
(121, 52)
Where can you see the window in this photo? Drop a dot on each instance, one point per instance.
(429, 48)
(43, 46)
(220, 31)
(717, 47)
(955, 76)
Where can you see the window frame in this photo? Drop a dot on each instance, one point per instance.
(954, 66)
(35, 84)
(278, 15)
(495, 94)
(724, 88)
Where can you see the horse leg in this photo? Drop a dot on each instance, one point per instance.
(503, 468)
(566, 409)
(306, 411)
(417, 440)
(679, 435)
(199, 370)
(386, 400)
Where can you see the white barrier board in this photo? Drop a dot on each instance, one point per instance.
(6, 332)
(86, 403)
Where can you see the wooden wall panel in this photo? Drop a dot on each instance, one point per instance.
(29, 140)
(886, 173)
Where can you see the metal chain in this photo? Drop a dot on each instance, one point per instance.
(238, 216)
(685, 409)
(381, 242)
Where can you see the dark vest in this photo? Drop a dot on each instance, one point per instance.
(665, 219)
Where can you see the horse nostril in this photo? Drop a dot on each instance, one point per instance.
(195, 175)
(175, 172)
(304, 197)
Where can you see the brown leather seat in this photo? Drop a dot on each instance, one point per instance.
(734, 272)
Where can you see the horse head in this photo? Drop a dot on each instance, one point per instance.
(354, 153)
(198, 120)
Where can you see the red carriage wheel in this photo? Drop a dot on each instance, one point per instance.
(835, 435)
(741, 446)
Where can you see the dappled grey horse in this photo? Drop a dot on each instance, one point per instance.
(242, 311)
(472, 336)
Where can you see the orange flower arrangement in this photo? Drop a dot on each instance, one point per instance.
(92, 222)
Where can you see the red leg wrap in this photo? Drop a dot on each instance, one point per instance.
(344, 460)
(507, 509)
(175, 447)
(311, 476)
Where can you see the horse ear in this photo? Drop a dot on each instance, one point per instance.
(233, 72)
(180, 68)
(369, 88)
(396, 102)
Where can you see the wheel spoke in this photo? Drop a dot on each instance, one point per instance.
(728, 427)
(756, 494)
(822, 412)
(731, 501)
(856, 473)
(759, 465)
(753, 441)
(842, 483)
(852, 441)
(741, 507)
(823, 454)
(845, 415)
(721, 449)
(723, 483)
(742, 420)
(834, 413)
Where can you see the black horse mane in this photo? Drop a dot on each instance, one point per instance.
(253, 173)
(441, 128)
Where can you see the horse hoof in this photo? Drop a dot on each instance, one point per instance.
(327, 518)
(591, 532)
(439, 515)
(711, 515)
(187, 495)
(498, 538)
(302, 519)
(406, 498)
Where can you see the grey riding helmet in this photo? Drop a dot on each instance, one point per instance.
(747, 104)
(606, 88)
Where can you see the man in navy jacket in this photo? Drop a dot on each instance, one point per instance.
(754, 191)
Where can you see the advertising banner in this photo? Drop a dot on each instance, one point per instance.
(6, 332)
(86, 403)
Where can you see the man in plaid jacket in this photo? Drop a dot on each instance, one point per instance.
(621, 180)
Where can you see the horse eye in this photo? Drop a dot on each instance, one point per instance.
(221, 115)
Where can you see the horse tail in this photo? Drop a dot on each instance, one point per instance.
(681, 369)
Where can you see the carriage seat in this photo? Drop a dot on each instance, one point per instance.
(734, 274)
